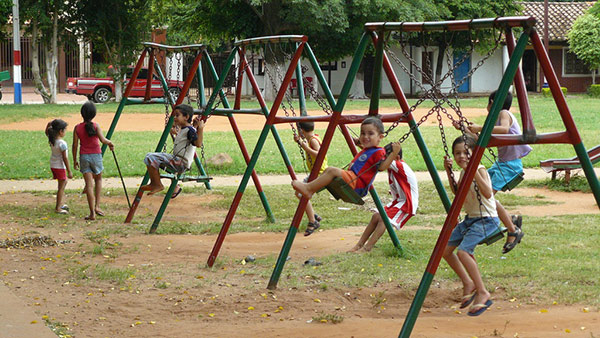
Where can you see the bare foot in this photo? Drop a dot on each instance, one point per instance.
(366, 248)
(355, 248)
(152, 189)
(90, 217)
(300, 187)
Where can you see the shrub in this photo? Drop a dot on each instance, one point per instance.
(594, 90)
(546, 91)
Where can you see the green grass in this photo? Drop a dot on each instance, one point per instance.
(25, 153)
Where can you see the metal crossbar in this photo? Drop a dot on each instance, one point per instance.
(271, 39)
(456, 25)
(174, 49)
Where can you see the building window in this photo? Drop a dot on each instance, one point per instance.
(261, 67)
(427, 66)
(573, 65)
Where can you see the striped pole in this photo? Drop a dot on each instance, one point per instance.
(16, 53)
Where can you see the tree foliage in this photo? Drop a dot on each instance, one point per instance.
(584, 38)
(116, 28)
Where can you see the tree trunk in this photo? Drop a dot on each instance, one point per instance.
(440, 63)
(52, 60)
(35, 63)
(358, 86)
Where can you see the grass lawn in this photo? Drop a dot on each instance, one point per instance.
(30, 161)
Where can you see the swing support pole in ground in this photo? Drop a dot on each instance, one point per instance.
(166, 131)
(268, 127)
(333, 122)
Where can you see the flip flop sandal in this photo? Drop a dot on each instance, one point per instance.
(100, 213)
(63, 212)
(64, 207)
(467, 300)
(311, 227)
(480, 308)
(509, 246)
(176, 193)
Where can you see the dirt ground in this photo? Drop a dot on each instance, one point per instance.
(223, 301)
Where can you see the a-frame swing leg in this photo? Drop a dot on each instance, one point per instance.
(166, 131)
(238, 136)
(333, 122)
(454, 213)
(269, 126)
(566, 116)
(164, 204)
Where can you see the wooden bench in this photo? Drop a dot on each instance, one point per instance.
(567, 164)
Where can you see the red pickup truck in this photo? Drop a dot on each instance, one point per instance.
(100, 90)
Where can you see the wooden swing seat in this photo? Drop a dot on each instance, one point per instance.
(510, 185)
(339, 189)
(183, 177)
(494, 236)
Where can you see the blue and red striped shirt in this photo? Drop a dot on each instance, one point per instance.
(365, 165)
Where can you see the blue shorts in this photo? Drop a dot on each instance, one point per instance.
(165, 160)
(91, 163)
(471, 231)
(503, 172)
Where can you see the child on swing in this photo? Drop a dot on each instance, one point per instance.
(508, 166)
(59, 161)
(90, 135)
(184, 147)
(405, 200)
(310, 143)
(363, 167)
(481, 219)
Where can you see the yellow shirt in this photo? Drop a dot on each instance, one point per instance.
(310, 159)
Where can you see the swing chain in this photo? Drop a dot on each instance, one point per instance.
(287, 114)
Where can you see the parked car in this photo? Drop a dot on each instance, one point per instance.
(100, 90)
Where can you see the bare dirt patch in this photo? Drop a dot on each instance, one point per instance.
(64, 283)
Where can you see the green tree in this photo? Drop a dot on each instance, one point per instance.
(469, 9)
(332, 26)
(584, 39)
(47, 29)
(116, 28)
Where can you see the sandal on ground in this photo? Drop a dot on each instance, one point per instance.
(62, 212)
(311, 227)
(478, 309)
(100, 213)
(467, 300)
(64, 207)
(176, 192)
(518, 235)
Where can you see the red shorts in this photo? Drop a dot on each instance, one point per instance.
(59, 174)
(349, 177)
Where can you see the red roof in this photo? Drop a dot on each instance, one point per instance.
(561, 16)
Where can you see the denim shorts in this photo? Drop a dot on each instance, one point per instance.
(164, 161)
(91, 163)
(503, 172)
(471, 231)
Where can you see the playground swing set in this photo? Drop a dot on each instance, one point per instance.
(486, 139)
(378, 34)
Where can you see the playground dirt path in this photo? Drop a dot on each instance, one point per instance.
(224, 302)
(155, 122)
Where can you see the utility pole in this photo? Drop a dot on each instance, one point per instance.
(546, 42)
(16, 53)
